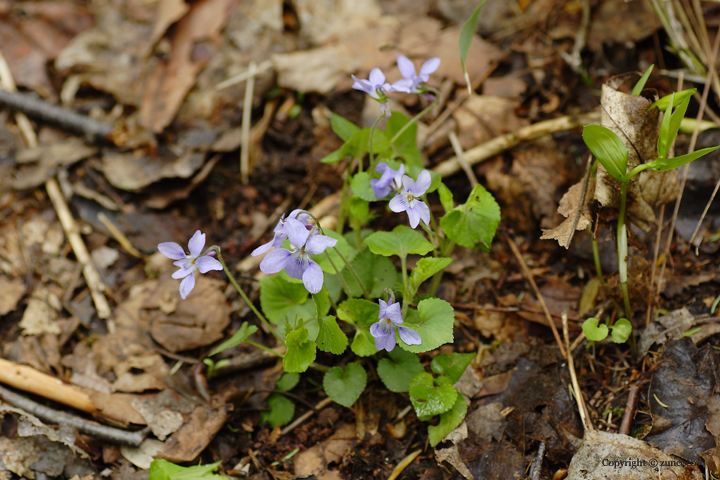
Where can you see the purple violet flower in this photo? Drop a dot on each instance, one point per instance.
(189, 263)
(390, 319)
(390, 180)
(375, 86)
(407, 200)
(280, 236)
(411, 82)
(297, 263)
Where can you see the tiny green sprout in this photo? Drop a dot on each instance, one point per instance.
(593, 331)
(640, 85)
(621, 330)
(692, 332)
(466, 36)
(676, 98)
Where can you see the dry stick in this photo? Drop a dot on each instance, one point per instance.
(629, 410)
(528, 276)
(30, 380)
(691, 149)
(47, 414)
(63, 117)
(460, 155)
(536, 469)
(8, 84)
(404, 464)
(573, 59)
(587, 424)
(266, 65)
(322, 404)
(504, 142)
(245, 127)
(92, 277)
(119, 236)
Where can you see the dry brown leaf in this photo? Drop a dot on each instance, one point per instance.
(192, 438)
(590, 462)
(578, 218)
(325, 20)
(194, 39)
(315, 460)
(41, 313)
(168, 12)
(128, 172)
(197, 321)
(12, 292)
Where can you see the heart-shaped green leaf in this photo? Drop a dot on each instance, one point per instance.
(402, 241)
(593, 331)
(449, 421)
(344, 385)
(358, 311)
(300, 351)
(433, 320)
(282, 410)
(473, 224)
(330, 338)
(280, 298)
(621, 330)
(430, 399)
(426, 268)
(375, 271)
(452, 366)
(398, 371)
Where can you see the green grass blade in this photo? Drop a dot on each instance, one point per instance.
(466, 36)
(640, 85)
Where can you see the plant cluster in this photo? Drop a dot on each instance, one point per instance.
(612, 153)
(330, 290)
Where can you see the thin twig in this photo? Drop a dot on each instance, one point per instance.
(119, 235)
(41, 110)
(404, 464)
(92, 277)
(587, 424)
(245, 127)
(536, 469)
(322, 404)
(630, 407)
(506, 141)
(47, 414)
(266, 65)
(528, 276)
(460, 155)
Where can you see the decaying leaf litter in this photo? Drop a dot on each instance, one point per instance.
(93, 326)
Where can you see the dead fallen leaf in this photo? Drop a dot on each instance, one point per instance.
(315, 460)
(578, 216)
(192, 438)
(197, 321)
(12, 292)
(590, 462)
(41, 313)
(128, 172)
(193, 40)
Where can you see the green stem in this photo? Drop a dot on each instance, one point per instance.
(445, 251)
(263, 347)
(371, 168)
(406, 286)
(415, 118)
(354, 273)
(216, 249)
(340, 277)
(318, 367)
(622, 247)
(343, 200)
(596, 257)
